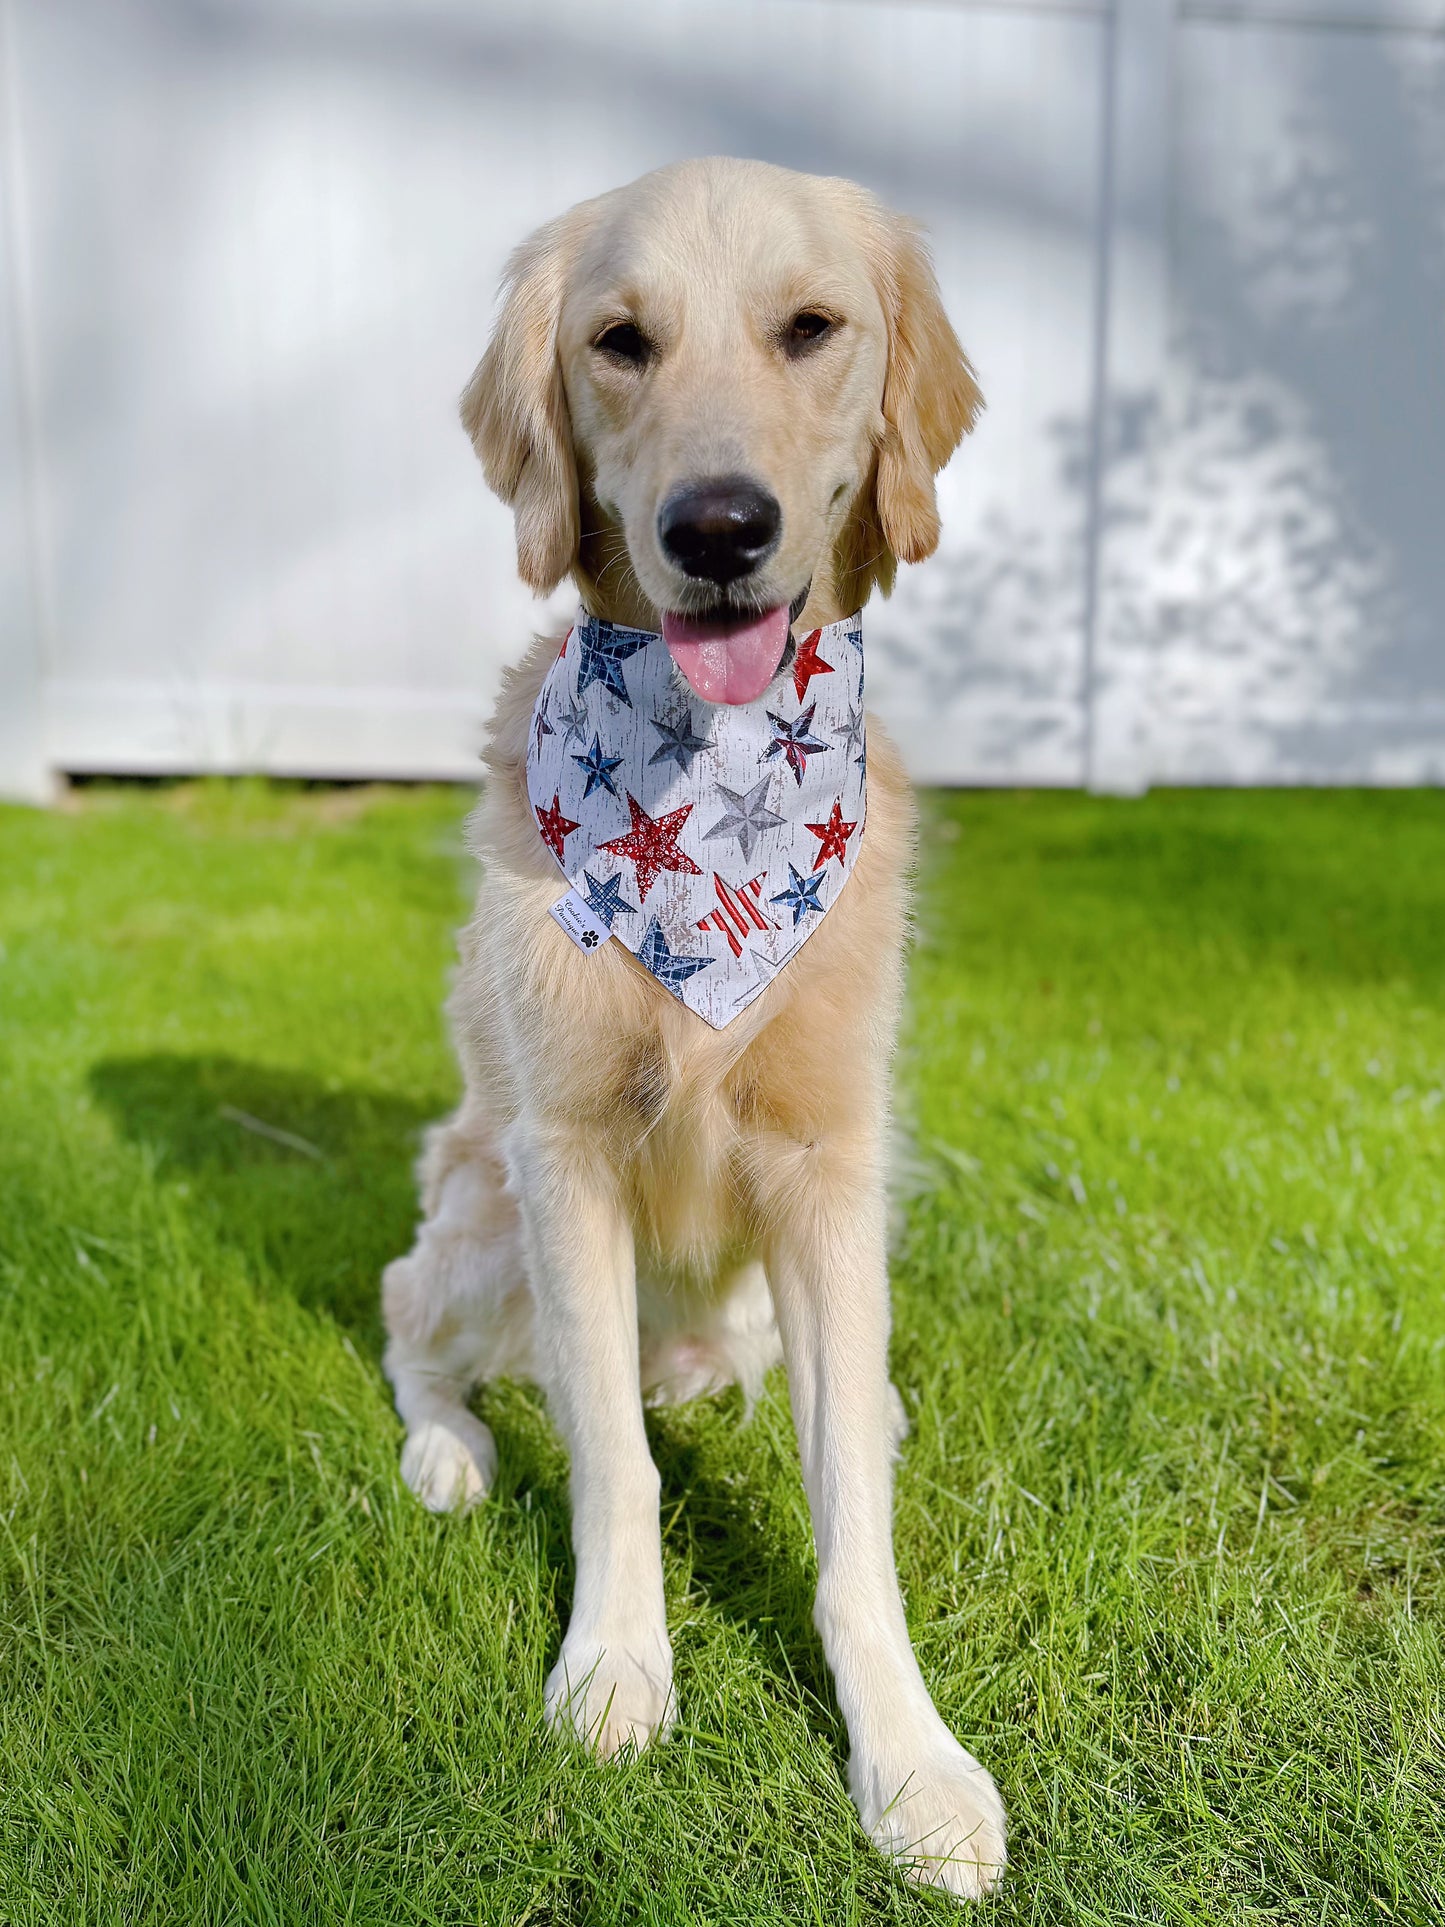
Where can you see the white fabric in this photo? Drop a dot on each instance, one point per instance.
(710, 839)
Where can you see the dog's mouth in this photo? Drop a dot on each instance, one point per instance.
(731, 655)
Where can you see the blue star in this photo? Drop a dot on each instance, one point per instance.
(801, 895)
(604, 650)
(668, 969)
(599, 768)
(796, 741)
(604, 900)
(679, 743)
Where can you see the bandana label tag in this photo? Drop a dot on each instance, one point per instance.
(571, 914)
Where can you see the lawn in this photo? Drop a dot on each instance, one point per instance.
(1170, 1329)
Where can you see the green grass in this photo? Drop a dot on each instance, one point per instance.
(1170, 1327)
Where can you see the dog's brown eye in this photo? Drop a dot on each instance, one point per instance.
(625, 342)
(806, 330)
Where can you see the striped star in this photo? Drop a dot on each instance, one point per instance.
(555, 826)
(737, 916)
(598, 769)
(680, 743)
(833, 835)
(795, 741)
(666, 965)
(604, 649)
(604, 899)
(651, 845)
(747, 817)
(801, 895)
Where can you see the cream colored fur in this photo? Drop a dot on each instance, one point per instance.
(628, 1205)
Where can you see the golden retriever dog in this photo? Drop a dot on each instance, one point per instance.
(717, 399)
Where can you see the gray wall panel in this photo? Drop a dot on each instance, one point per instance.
(24, 761)
(264, 272)
(1302, 570)
(1198, 257)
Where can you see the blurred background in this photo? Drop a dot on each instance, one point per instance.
(1196, 250)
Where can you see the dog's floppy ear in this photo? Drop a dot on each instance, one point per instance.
(930, 397)
(515, 410)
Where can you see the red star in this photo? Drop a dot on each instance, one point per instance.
(808, 663)
(555, 827)
(652, 845)
(833, 835)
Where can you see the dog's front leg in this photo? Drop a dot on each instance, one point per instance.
(921, 1797)
(612, 1683)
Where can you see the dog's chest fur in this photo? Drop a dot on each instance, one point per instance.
(699, 1124)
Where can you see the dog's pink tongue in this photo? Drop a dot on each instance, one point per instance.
(728, 662)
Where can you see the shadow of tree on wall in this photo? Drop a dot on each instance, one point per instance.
(1296, 606)
(1284, 613)
(311, 1180)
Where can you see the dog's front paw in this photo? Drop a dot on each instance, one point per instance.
(612, 1693)
(449, 1463)
(939, 1816)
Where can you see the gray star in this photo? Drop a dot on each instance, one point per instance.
(851, 736)
(679, 742)
(748, 817)
(575, 724)
(764, 969)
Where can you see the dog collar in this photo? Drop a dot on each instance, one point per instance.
(711, 839)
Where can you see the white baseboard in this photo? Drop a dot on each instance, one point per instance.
(1376, 744)
(233, 729)
(171, 729)
(992, 740)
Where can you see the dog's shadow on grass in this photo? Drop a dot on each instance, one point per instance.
(312, 1182)
(745, 1550)
(736, 1532)
(310, 1179)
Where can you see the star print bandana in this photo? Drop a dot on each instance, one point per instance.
(709, 838)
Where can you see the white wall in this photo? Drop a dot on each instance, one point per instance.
(24, 765)
(250, 253)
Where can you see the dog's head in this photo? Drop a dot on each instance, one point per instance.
(715, 396)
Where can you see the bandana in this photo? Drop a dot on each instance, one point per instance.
(709, 838)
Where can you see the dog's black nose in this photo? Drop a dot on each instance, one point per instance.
(718, 531)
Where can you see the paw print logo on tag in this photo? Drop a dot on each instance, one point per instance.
(586, 930)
